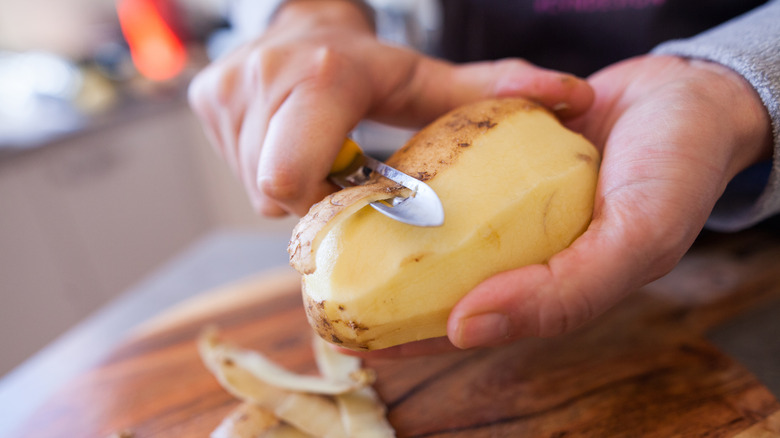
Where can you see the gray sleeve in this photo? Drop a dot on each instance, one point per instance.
(749, 45)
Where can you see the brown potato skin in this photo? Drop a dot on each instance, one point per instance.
(439, 145)
(324, 326)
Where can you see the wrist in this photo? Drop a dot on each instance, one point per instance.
(353, 13)
(752, 125)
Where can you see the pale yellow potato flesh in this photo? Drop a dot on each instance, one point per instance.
(516, 186)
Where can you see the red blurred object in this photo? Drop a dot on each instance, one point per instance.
(158, 52)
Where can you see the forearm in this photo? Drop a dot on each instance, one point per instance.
(346, 12)
(750, 46)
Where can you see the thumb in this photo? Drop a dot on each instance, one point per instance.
(550, 299)
(436, 87)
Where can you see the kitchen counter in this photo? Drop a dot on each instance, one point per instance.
(745, 328)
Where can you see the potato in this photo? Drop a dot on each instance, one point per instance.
(517, 187)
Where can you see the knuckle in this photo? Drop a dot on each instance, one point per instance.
(217, 84)
(197, 91)
(562, 313)
(511, 63)
(667, 256)
(269, 66)
(266, 207)
(660, 248)
(578, 310)
(226, 86)
(553, 319)
(327, 63)
(510, 67)
(264, 65)
(281, 186)
(325, 59)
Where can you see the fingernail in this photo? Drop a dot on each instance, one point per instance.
(483, 329)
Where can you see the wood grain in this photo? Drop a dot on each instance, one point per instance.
(644, 369)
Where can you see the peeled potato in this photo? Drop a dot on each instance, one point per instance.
(517, 187)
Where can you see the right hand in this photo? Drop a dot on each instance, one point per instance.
(278, 108)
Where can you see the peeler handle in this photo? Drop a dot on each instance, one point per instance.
(349, 152)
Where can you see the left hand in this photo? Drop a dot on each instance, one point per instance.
(672, 133)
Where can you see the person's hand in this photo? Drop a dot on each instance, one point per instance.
(278, 109)
(672, 133)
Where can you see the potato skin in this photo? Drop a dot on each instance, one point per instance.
(439, 145)
(332, 329)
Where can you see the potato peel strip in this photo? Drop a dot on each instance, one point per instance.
(262, 368)
(326, 214)
(252, 421)
(362, 412)
(313, 414)
(356, 412)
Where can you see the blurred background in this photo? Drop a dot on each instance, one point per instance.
(104, 172)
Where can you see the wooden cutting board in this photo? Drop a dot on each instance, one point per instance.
(643, 369)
